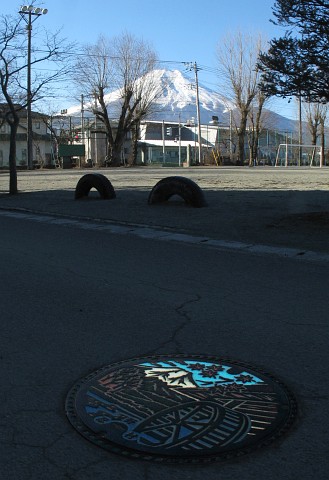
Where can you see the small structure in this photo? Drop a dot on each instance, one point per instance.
(68, 153)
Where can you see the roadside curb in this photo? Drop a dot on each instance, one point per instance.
(164, 234)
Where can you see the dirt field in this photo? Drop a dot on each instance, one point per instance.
(263, 205)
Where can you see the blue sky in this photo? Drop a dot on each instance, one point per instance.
(179, 31)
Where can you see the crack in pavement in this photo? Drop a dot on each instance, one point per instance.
(179, 328)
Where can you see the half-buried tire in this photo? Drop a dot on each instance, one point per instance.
(94, 180)
(184, 187)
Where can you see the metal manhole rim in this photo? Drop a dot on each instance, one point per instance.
(272, 436)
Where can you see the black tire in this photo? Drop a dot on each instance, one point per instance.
(94, 180)
(182, 186)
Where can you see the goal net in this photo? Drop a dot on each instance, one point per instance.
(290, 155)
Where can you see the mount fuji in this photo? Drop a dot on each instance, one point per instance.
(177, 103)
(178, 100)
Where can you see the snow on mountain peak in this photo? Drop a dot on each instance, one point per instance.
(179, 99)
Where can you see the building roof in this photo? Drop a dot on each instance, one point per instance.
(21, 111)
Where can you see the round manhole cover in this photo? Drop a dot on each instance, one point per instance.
(180, 408)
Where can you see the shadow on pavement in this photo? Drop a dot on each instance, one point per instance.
(287, 218)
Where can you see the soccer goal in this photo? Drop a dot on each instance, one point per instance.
(289, 155)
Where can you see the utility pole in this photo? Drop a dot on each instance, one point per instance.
(198, 111)
(163, 144)
(82, 119)
(322, 157)
(96, 146)
(179, 142)
(193, 66)
(29, 11)
(231, 139)
(300, 141)
(29, 98)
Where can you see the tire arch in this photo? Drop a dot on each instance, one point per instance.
(94, 180)
(184, 187)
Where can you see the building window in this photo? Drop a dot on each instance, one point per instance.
(37, 125)
(3, 128)
(1, 158)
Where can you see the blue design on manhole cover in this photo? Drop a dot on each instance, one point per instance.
(180, 408)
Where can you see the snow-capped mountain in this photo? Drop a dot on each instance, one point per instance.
(177, 102)
(172, 376)
(178, 99)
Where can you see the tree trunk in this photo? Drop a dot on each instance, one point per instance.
(256, 131)
(241, 136)
(314, 136)
(134, 146)
(13, 123)
(253, 147)
(113, 153)
(115, 158)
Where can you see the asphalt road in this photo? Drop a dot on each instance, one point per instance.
(75, 297)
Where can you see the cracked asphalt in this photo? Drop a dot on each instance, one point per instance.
(92, 282)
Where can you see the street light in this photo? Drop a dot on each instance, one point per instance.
(30, 14)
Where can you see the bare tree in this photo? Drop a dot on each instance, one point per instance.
(239, 76)
(116, 75)
(13, 65)
(255, 125)
(61, 132)
(316, 114)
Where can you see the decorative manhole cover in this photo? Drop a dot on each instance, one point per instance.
(180, 408)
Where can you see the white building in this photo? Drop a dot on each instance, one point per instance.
(41, 141)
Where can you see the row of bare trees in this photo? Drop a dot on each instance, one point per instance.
(240, 80)
(239, 77)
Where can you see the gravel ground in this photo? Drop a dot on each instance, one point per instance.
(262, 205)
